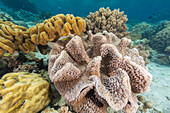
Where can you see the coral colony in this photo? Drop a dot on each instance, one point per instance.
(91, 71)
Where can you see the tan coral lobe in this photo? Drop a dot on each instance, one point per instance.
(99, 71)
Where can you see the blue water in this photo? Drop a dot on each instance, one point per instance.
(132, 8)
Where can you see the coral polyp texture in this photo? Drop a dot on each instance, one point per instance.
(20, 91)
(105, 19)
(98, 71)
(14, 37)
(55, 27)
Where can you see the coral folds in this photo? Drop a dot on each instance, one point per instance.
(98, 71)
(14, 37)
(55, 27)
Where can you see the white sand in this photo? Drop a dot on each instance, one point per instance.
(160, 88)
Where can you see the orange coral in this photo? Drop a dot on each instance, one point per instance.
(55, 27)
(14, 37)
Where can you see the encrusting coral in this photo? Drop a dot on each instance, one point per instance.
(98, 71)
(111, 21)
(20, 91)
(14, 37)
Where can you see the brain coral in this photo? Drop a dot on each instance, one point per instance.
(105, 19)
(23, 93)
(98, 71)
(14, 37)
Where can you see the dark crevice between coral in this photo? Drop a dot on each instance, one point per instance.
(83, 89)
(129, 103)
(105, 67)
(94, 99)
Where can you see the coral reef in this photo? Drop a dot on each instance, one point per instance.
(55, 27)
(143, 47)
(5, 17)
(20, 91)
(9, 62)
(161, 40)
(160, 58)
(143, 104)
(14, 37)
(135, 36)
(158, 35)
(98, 71)
(24, 15)
(26, 68)
(105, 19)
(139, 28)
(21, 4)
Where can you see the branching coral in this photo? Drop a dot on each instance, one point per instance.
(20, 91)
(14, 37)
(99, 71)
(105, 19)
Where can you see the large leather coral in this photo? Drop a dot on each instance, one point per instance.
(20, 91)
(99, 71)
(105, 19)
(55, 27)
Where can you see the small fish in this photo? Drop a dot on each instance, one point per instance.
(63, 37)
(50, 44)
(7, 54)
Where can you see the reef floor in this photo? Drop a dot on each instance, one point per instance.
(159, 93)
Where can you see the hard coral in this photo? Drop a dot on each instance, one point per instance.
(20, 91)
(99, 71)
(14, 37)
(55, 27)
(158, 35)
(105, 19)
(5, 17)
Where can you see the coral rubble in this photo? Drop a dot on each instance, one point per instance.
(105, 19)
(98, 71)
(20, 91)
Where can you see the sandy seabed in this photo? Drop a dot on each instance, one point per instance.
(159, 93)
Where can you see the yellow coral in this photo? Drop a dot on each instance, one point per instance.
(14, 37)
(55, 27)
(11, 36)
(20, 91)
